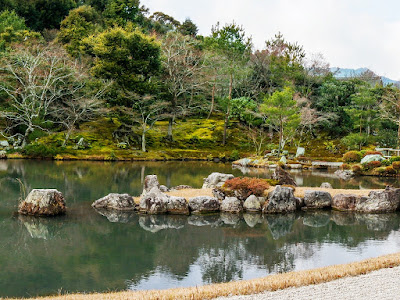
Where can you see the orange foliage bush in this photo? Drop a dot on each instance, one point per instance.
(356, 169)
(352, 156)
(396, 165)
(372, 165)
(373, 153)
(247, 186)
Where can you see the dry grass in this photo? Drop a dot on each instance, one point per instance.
(189, 193)
(299, 192)
(248, 287)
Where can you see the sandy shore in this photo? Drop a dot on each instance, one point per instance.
(383, 285)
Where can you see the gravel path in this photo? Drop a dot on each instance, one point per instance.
(378, 285)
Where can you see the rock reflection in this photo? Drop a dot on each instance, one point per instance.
(252, 219)
(116, 216)
(38, 228)
(317, 219)
(156, 223)
(230, 219)
(204, 220)
(378, 222)
(343, 218)
(280, 225)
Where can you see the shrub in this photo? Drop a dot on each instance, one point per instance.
(372, 153)
(372, 165)
(40, 151)
(356, 169)
(234, 155)
(381, 170)
(396, 165)
(247, 186)
(355, 141)
(352, 156)
(390, 171)
(386, 162)
(345, 167)
(394, 158)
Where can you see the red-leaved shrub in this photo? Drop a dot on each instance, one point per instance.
(247, 186)
(372, 165)
(373, 153)
(396, 165)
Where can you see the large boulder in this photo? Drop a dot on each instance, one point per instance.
(150, 182)
(231, 205)
(218, 193)
(43, 202)
(317, 199)
(344, 202)
(326, 185)
(372, 157)
(344, 174)
(283, 177)
(281, 200)
(380, 201)
(177, 206)
(154, 202)
(115, 201)
(203, 204)
(216, 180)
(252, 204)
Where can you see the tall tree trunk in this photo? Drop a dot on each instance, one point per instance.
(170, 127)
(228, 110)
(66, 139)
(212, 98)
(144, 141)
(27, 132)
(280, 138)
(398, 135)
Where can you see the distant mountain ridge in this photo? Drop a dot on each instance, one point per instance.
(349, 73)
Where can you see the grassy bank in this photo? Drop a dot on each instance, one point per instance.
(255, 286)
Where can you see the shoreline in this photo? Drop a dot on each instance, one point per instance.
(250, 287)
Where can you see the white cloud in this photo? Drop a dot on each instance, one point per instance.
(350, 34)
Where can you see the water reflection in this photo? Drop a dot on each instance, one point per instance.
(88, 250)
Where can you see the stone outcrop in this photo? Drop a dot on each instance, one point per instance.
(115, 201)
(344, 202)
(154, 202)
(177, 206)
(283, 177)
(252, 204)
(317, 199)
(218, 193)
(231, 205)
(181, 187)
(203, 204)
(372, 157)
(380, 201)
(216, 180)
(326, 185)
(344, 174)
(281, 200)
(43, 202)
(150, 182)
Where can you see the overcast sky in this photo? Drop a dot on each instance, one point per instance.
(349, 33)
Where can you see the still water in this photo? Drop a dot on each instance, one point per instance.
(87, 251)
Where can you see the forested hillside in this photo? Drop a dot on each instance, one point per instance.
(108, 79)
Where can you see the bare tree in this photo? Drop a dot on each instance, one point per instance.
(182, 63)
(34, 80)
(390, 108)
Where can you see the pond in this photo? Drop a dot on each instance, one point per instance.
(90, 251)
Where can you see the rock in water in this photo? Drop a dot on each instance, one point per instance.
(177, 206)
(344, 174)
(283, 177)
(317, 199)
(150, 182)
(380, 201)
(252, 204)
(326, 185)
(231, 205)
(344, 202)
(204, 204)
(216, 180)
(115, 201)
(43, 202)
(154, 202)
(281, 200)
(372, 157)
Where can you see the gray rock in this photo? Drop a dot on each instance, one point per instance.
(283, 177)
(252, 204)
(164, 189)
(177, 206)
(150, 182)
(344, 174)
(203, 204)
(344, 202)
(372, 157)
(380, 201)
(326, 185)
(154, 202)
(283, 160)
(218, 193)
(281, 200)
(231, 205)
(181, 187)
(295, 166)
(115, 201)
(317, 199)
(216, 180)
(300, 151)
(43, 202)
(4, 144)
